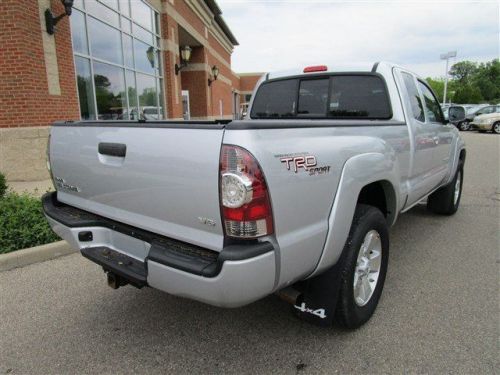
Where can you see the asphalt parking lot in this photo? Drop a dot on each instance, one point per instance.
(439, 311)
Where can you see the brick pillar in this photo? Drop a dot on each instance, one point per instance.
(172, 82)
(194, 78)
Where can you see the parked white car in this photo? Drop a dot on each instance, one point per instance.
(487, 122)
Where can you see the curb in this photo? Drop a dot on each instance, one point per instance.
(37, 254)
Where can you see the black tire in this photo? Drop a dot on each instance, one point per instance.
(496, 127)
(463, 126)
(348, 313)
(442, 201)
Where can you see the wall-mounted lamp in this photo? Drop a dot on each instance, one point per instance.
(51, 21)
(215, 74)
(185, 57)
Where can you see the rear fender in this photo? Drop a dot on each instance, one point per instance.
(358, 172)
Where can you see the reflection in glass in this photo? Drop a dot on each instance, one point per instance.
(146, 88)
(104, 41)
(79, 33)
(162, 107)
(143, 34)
(84, 83)
(103, 12)
(125, 7)
(126, 25)
(132, 96)
(144, 58)
(111, 3)
(110, 91)
(127, 51)
(141, 13)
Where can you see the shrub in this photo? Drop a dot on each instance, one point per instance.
(3, 185)
(22, 223)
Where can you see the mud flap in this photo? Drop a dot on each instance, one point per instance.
(317, 303)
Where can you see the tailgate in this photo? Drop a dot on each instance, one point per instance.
(161, 179)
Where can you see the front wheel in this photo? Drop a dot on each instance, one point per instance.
(464, 126)
(364, 269)
(496, 127)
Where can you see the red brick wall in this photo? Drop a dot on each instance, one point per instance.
(247, 83)
(24, 96)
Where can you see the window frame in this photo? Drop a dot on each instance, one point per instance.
(422, 101)
(330, 76)
(427, 120)
(158, 74)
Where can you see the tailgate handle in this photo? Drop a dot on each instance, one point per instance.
(113, 149)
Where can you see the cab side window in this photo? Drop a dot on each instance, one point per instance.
(432, 107)
(416, 103)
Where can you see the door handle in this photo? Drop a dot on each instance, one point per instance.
(112, 149)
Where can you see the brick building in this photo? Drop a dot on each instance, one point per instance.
(110, 60)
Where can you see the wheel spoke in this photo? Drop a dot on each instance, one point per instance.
(368, 242)
(367, 270)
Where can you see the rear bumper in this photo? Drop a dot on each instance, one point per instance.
(238, 275)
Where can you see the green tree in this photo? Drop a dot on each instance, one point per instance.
(462, 71)
(467, 94)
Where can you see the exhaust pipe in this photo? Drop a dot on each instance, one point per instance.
(115, 281)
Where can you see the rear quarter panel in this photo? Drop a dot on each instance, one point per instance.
(302, 203)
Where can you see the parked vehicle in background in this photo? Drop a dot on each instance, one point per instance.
(296, 199)
(489, 122)
(475, 111)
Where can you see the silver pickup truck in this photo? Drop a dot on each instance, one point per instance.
(295, 199)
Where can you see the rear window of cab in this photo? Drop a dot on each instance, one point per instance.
(345, 96)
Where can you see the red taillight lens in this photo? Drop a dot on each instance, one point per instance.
(246, 207)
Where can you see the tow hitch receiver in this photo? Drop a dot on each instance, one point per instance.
(115, 281)
(120, 268)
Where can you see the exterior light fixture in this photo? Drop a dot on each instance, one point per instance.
(215, 74)
(185, 57)
(51, 21)
(150, 54)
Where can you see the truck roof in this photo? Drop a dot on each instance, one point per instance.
(337, 68)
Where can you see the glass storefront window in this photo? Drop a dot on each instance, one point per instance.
(144, 57)
(102, 12)
(141, 13)
(109, 91)
(118, 66)
(84, 85)
(78, 31)
(105, 41)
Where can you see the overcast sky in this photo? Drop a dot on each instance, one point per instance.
(286, 34)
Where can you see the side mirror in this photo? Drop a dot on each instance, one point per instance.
(456, 114)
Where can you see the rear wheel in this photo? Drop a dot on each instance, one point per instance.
(496, 127)
(364, 269)
(445, 201)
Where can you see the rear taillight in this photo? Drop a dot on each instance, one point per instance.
(246, 207)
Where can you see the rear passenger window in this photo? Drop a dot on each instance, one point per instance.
(313, 96)
(359, 96)
(416, 103)
(433, 109)
(275, 100)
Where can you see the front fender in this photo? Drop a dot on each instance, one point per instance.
(357, 172)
